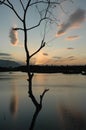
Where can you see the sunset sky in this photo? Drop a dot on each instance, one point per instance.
(66, 42)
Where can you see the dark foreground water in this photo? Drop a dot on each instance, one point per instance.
(64, 105)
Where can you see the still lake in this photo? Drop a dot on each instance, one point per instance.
(64, 105)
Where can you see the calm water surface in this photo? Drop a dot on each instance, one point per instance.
(64, 105)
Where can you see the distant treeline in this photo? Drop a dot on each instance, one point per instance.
(73, 69)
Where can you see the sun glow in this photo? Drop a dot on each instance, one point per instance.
(40, 58)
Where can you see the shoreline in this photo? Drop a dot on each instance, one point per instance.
(81, 69)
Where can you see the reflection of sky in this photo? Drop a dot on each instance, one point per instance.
(74, 38)
(64, 101)
(71, 118)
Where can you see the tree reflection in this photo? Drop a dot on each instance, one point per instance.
(38, 105)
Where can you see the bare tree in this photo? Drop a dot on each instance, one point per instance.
(45, 9)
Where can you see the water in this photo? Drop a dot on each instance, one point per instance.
(63, 108)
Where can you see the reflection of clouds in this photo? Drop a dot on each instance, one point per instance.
(14, 105)
(14, 101)
(71, 119)
(40, 79)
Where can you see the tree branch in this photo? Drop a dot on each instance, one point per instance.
(42, 18)
(42, 45)
(25, 10)
(44, 2)
(35, 26)
(22, 5)
(1, 2)
(41, 96)
(33, 98)
(10, 5)
(46, 11)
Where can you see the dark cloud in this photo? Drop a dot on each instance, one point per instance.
(70, 57)
(72, 37)
(70, 48)
(6, 58)
(45, 54)
(5, 54)
(75, 19)
(56, 57)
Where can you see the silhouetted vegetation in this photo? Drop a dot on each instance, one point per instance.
(73, 69)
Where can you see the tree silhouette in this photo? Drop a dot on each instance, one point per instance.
(45, 10)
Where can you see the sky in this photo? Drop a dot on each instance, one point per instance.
(65, 41)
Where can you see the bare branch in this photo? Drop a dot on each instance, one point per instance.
(33, 98)
(47, 15)
(22, 5)
(1, 2)
(39, 12)
(6, 4)
(27, 8)
(42, 42)
(62, 9)
(41, 96)
(51, 2)
(35, 26)
(44, 2)
(10, 5)
(46, 11)
(42, 45)
(28, 4)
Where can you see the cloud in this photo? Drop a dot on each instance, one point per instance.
(5, 54)
(70, 57)
(45, 54)
(70, 48)
(13, 37)
(56, 57)
(75, 19)
(70, 38)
